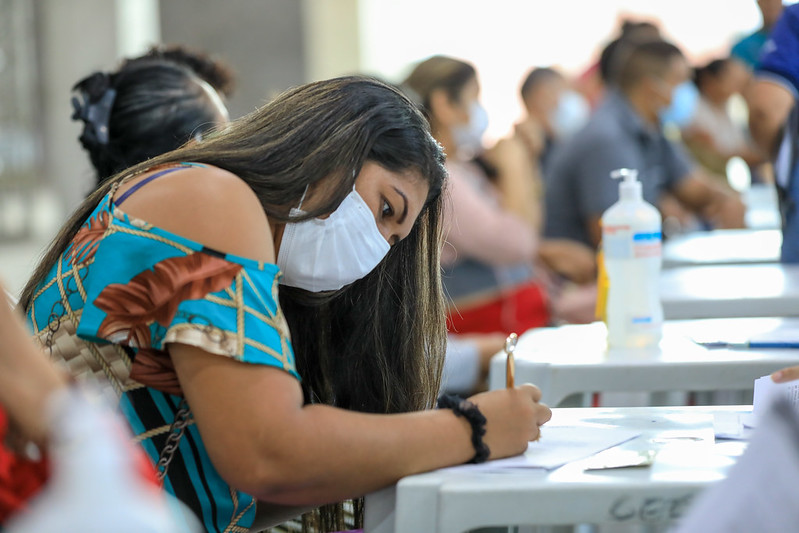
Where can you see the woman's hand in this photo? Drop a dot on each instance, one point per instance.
(786, 374)
(514, 418)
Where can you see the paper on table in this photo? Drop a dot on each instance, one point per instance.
(759, 492)
(560, 445)
(731, 425)
(766, 392)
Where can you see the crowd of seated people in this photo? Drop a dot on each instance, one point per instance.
(281, 306)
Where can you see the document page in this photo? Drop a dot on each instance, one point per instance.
(767, 392)
(560, 445)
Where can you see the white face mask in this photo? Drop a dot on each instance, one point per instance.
(327, 254)
(469, 137)
(570, 115)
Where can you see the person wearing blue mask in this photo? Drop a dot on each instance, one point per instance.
(652, 90)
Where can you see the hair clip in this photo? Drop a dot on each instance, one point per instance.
(95, 115)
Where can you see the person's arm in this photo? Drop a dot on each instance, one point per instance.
(719, 205)
(485, 232)
(751, 154)
(571, 259)
(594, 226)
(27, 378)
(518, 179)
(259, 435)
(769, 105)
(773, 93)
(790, 373)
(264, 441)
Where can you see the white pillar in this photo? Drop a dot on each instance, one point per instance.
(76, 38)
(332, 38)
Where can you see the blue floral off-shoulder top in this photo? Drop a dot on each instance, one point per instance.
(121, 292)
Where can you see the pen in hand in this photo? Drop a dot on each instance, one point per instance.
(510, 366)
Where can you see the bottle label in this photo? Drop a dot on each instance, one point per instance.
(647, 244)
(617, 242)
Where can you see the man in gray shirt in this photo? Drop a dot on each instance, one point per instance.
(625, 132)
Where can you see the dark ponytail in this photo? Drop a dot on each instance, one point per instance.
(147, 108)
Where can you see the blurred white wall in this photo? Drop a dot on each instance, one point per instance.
(263, 41)
(274, 44)
(76, 38)
(332, 38)
(504, 39)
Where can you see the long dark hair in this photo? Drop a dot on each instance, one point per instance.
(378, 344)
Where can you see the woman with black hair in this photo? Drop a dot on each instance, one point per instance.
(150, 105)
(243, 296)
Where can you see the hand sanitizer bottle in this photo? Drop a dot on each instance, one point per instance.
(631, 245)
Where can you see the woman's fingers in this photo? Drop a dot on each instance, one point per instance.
(532, 390)
(786, 374)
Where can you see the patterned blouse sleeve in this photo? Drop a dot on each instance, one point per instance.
(146, 287)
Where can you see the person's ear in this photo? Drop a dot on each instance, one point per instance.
(444, 110)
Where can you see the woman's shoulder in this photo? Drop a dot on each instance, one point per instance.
(206, 204)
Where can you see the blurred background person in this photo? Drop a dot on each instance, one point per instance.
(711, 135)
(180, 94)
(493, 267)
(593, 81)
(626, 132)
(745, 53)
(150, 105)
(554, 111)
(96, 479)
(468, 360)
(748, 49)
(774, 121)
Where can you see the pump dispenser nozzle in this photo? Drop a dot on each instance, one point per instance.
(630, 187)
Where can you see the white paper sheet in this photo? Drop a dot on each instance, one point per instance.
(759, 493)
(766, 392)
(731, 425)
(560, 445)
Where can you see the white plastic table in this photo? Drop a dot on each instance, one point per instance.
(762, 207)
(723, 291)
(452, 501)
(723, 247)
(574, 359)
